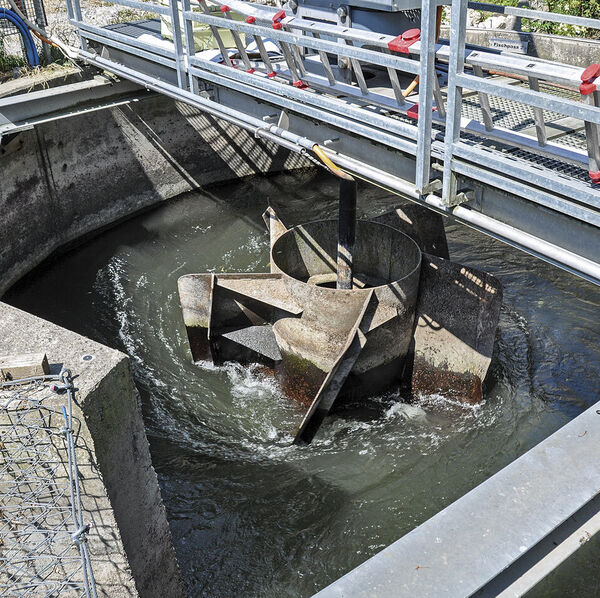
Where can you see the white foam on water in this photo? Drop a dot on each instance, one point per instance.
(406, 412)
(263, 415)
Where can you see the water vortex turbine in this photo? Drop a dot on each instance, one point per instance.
(407, 314)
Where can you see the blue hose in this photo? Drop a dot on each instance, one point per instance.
(32, 53)
(31, 50)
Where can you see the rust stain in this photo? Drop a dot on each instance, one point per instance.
(299, 379)
(465, 387)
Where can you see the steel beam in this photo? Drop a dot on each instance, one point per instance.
(24, 111)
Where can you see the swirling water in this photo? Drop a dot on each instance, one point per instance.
(252, 515)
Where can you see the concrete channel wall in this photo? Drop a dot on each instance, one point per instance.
(71, 177)
(68, 179)
(129, 534)
(556, 48)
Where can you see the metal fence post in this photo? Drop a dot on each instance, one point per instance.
(538, 115)
(177, 42)
(189, 44)
(456, 66)
(76, 7)
(426, 92)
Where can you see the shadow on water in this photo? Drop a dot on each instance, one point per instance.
(223, 543)
(251, 514)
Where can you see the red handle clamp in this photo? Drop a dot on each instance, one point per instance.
(403, 42)
(589, 77)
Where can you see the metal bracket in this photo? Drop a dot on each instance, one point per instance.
(463, 196)
(432, 187)
(284, 121)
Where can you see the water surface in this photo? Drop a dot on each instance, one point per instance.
(252, 515)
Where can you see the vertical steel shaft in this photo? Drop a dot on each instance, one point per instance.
(346, 232)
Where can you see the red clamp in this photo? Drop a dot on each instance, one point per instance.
(595, 176)
(250, 71)
(413, 112)
(250, 20)
(272, 74)
(589, 77)
(277, 18)
(225, 8)
(403, 42)
(300, 84)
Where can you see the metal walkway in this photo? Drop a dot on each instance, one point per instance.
(505, 143)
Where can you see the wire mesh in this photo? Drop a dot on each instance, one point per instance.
(32, 9)
(10, 39)
(43, 548)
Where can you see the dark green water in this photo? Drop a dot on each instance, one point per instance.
(252, 515)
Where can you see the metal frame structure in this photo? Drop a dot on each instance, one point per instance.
(534, 192)
(24, 111)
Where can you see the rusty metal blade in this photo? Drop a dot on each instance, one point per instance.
(335, 379)
(274, 224)
(195, 295)
(215, 306)
(457, 316)
(266, 288)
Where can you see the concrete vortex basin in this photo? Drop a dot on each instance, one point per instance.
(412, 316)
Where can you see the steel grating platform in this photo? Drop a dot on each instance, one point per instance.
(506, 113)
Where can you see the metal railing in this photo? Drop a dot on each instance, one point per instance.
(534, 71)
(291, 72)
(360, 85)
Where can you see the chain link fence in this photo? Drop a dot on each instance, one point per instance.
(43, 548)
(11, 41)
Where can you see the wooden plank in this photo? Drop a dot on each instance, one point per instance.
(26, 365)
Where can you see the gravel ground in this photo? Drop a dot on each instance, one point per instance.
(95, 12)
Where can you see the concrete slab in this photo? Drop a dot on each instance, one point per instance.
(129, 541)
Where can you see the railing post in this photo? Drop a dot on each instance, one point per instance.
(76, 9)
(189, 44)
(426, 93)
(177, 42)
(538, 115)
(456, 66)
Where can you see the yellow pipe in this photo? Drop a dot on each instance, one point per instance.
(329, 163)
(411, 87)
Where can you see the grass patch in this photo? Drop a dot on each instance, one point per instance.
(9, 62)
(578, 8)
